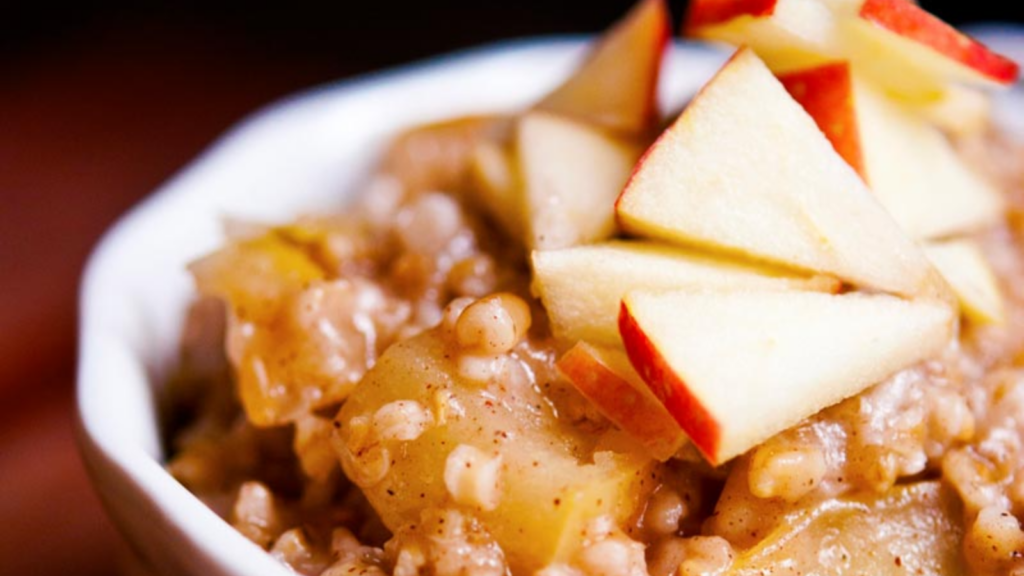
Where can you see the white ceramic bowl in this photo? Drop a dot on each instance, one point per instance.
(306, 153)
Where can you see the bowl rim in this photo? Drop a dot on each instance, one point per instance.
(108, 356)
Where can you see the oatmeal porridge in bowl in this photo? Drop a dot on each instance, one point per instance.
(776, 332)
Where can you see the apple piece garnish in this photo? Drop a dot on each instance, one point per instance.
(735, 368)
(616, 85)
(969, 274)
(605, 377)
(744, 169)
(495, 173)
(787, 34)
(908, 163)
(906, 50)
(896, 36)
(571, 173)
(588, 310)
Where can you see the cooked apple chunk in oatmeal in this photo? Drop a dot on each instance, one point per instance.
(778, 332)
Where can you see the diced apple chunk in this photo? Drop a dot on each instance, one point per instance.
(605, 377)
(571, 175)
(968, 272)
(616, 86)
(589, 310)
(413, 409)
(909, 165)
(746, 170)
(735, 368)
(913, 529)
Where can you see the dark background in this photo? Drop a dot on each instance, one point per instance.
(102, 101)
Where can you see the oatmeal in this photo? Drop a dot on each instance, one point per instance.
(494, 363)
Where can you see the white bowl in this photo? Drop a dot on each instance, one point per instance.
(309, 152)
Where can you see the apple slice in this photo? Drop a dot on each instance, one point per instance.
(968, 272)
(571, 174)
(909, 165)
(787, 34)
(893, 38)
(589, 310)
(495, 174)
(735, 368)
(616, 86)
(605, 377)
(745, 169)
(908, 51)
(919, 516)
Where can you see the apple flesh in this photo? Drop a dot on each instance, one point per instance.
(962, 111)
(605, 377)
(735, 368)
(616, 86)
(926, 41)
(589, 310)
(495, 176)
(571, 174)
(969, 274)
(787, 34)
(744, 169)
(909, 165)
(552, 482)
(888, 530)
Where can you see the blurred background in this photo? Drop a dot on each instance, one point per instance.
(102, 101)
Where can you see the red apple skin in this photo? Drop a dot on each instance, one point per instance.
(625, 403)
(911, 21)
(703, 13)
(692, 416)
(826, 93)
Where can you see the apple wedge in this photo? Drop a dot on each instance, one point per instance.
(589, 310)
(616, 85)
(906, 50)
(744, 169)
(909, 164)
(571, 174)
(891, 39)
(605, 377)
(495, 175)
(968, 272)
(735, 368)
(787, 34)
